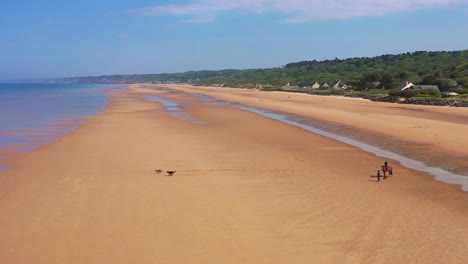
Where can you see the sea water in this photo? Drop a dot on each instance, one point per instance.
(33, 114)
(439, 173)
(398, 153)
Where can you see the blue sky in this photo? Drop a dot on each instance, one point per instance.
(57, 38)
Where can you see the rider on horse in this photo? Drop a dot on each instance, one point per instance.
(386, 168)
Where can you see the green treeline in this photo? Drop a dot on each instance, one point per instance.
(443, 68)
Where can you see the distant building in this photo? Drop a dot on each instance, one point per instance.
(424, 87)
(420, 87)
(336, 84)
(324, 85)
(404, 86)
(315, 85)
(459, 86)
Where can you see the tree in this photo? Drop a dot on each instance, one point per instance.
(429, 79)
(387, 81)
(446, 84)
(418, 67)
(403, 76)
(368, 79)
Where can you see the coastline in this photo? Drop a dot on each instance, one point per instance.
(385, 99)
(259, 192)
(435, 135)
(35, 114)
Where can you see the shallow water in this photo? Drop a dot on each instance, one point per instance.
(32, 115)
(175, 109)
(439, 173)
(443, 169)
(168, 104)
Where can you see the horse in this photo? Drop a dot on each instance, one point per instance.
(170, 173)
(388, 169)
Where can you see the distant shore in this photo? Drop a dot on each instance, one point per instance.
(439, 129)
(376, 95)
(247, 189)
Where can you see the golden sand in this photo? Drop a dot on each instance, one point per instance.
(247, 189)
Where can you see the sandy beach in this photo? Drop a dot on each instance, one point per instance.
(248, 189)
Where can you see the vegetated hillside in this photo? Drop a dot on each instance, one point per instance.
(443, 68)
(190, 76)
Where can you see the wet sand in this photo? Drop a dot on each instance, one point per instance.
(247, 189)
(437, 136)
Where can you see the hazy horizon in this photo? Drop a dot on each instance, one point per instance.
(88, 38)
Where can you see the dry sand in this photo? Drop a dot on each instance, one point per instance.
(255, 191)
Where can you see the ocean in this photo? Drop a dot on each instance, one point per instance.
(34, 114)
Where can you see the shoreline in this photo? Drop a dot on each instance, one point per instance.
(259, 192)
(444, 168)
(438, 173)
(415, 131)
(41, 113)
(385, 99)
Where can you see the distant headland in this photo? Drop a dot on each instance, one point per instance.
(422, 77)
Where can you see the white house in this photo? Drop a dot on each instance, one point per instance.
(315, 85)
(336, 84)
(404, 86)
(324, 85)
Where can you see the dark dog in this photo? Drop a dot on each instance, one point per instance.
(170, 173)
(158, 171)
